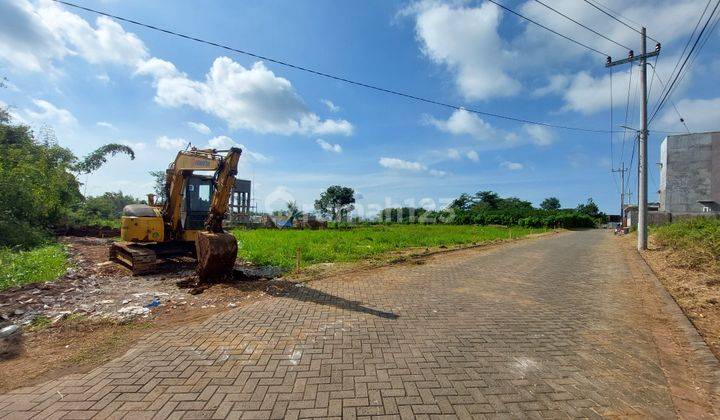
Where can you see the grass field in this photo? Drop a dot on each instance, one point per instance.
(696, 242)
(277, 247)
(39, 264)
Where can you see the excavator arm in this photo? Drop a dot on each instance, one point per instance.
(224, 181)
(216, 249)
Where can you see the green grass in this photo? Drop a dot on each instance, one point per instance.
(43, 263)
(276, 247)
(696, 241)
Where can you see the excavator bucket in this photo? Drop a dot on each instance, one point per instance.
(216, 253)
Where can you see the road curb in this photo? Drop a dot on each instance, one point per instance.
(698, 345)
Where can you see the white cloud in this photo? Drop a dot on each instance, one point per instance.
(463, 122)
(49, 113)
(699, 114)
(225, 142)
(454, 154)
(103, 77)
(136, 146)
(395, 163)
(406, 165)
(511, 166)
(199, 127)
(555, 84)
(490, 57)
(157, 68)
(253, 99)
(165, 142)
(105, 124)
(330, 105)
(540, 135)
(35, 35)
(466, 40)
(335, 148)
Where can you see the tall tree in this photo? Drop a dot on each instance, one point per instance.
(589, 208)
(336, 202)
(487, 199)
(550, 204)
(38, 182)
(159, 186)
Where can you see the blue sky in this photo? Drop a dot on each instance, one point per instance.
(96, 81)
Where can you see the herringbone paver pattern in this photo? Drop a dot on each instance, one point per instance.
(541, 328)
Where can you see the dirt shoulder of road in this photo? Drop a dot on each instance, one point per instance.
(691, 369)
(88, 332)
(697, 292)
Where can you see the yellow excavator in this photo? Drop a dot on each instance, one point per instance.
(188, 222)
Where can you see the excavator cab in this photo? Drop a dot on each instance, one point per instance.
(196, 206)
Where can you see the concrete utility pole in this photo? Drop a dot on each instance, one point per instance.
(642, 150)
(622, 171)
(643, 134)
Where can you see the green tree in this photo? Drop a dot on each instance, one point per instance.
(336, 202)
(550, 204)
(38, 183)
(486, 200)
(159, 186)
(293, 210)
(103, 208)
(589, 208)
(464, 202)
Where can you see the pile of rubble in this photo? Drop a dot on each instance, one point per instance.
(95, 288)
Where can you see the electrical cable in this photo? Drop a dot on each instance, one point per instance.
(627, 108)
(620, 15)
(656, 74)
(333, 77)
(581, 24)
(615, 18)
(546, 28)
(671, 85)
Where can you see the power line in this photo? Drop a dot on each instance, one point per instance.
(605, 6)
(687, 44)
(581, 24)
(627, 108)
(656, 74)
(674, 82)
(615, 18)
(546, 28)
(333, 77)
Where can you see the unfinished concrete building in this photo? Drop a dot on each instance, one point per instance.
(240, 209)
(690, 174)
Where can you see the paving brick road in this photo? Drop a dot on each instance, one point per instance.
(549, 327)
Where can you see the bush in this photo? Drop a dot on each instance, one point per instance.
(103, 210)
(696, 241)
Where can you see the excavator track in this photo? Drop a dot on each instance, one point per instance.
(139, 259)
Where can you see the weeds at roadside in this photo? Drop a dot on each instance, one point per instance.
(695, 243)
(39, 264)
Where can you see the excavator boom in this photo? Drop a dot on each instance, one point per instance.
(216, 249)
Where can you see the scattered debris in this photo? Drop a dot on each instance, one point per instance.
(9, 330)
(154, 304)
(133, 310)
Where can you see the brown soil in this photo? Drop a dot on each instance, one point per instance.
(696, 291)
